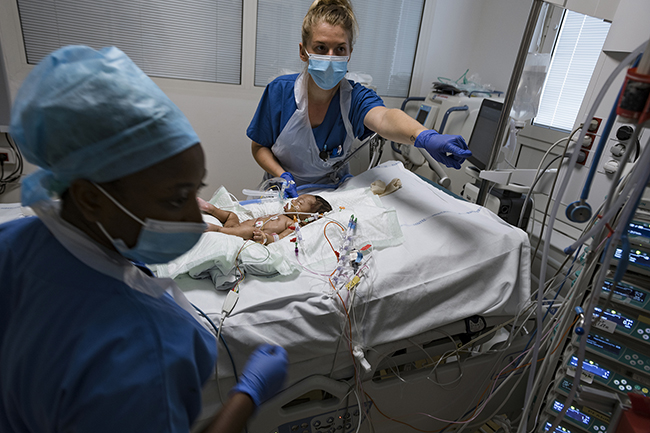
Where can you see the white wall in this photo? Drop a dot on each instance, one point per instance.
(479, 35)
(457, 34)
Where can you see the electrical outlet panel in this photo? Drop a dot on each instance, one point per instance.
(615, 147)
(594, 125)
(344, 420)
(7, 155)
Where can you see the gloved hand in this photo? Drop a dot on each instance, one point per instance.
(290, 191)
(264, 373)
(439, 145)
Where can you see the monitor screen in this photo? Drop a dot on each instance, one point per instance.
(423, 112)
(485, 129)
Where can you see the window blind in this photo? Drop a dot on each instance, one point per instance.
(384, 49)
(186, 39)
(574, 58)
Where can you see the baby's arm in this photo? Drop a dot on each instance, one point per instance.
(228, 219)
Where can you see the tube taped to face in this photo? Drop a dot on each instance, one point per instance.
(158, 241)
(327, 71)
(92, 114)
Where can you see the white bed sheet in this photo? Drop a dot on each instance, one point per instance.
(456, 260)
(223, 257)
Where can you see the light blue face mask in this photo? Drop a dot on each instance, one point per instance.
(158, 241)
(327, 71)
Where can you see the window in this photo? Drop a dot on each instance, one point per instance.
(579, 43)
(384, 49)
(187, 39)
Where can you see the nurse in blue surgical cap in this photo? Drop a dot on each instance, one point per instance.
(90, 341)
(305, 123)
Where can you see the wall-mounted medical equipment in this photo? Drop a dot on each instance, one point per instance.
(450, 114)
(611, 357)
(447, 112)
(605, 356)
(484, 132)
(508, 196)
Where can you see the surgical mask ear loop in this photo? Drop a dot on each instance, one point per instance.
(118, 204)
(105, 232)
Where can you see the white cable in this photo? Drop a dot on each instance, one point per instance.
(561, 321)
(592, 259)
(228, 304)
(565, 182)
(629, 208)
(564, 322)
(609, 213)
(539, 167)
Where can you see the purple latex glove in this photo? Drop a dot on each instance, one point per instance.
(290, 191)
(264, 373)
(450, 150)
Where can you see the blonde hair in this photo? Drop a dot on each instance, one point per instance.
(334, 13)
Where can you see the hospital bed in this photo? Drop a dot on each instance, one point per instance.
(441, 273)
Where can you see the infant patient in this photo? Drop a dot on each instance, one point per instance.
(268, 228)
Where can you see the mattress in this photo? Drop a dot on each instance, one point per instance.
(450, 260)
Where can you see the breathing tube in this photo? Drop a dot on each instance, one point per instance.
(271, 195)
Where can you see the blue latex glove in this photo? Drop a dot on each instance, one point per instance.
(264, 373)
(290, 191)
(450, 150)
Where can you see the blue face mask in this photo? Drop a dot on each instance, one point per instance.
(327, 71)
(158, 241)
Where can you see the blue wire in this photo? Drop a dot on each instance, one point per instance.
(146, 270)
(603, 139)
(301, 187)
(232, 361)
(252, 201)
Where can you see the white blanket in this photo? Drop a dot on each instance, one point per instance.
(222, 257)
(456, 260)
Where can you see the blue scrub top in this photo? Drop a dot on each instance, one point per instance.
(83, 352)
(278, 103)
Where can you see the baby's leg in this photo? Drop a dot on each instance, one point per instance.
(242, 231)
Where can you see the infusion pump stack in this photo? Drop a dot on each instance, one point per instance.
(475, 118)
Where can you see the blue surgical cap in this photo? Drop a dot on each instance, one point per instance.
(88, 114)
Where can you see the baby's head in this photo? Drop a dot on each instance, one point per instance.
(308, 203)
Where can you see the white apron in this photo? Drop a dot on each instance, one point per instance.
(108, 262)
(296, 147)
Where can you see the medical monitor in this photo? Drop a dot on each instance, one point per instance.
(484, 132)
(423, 112)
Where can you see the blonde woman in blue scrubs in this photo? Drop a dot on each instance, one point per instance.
(305, 123)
